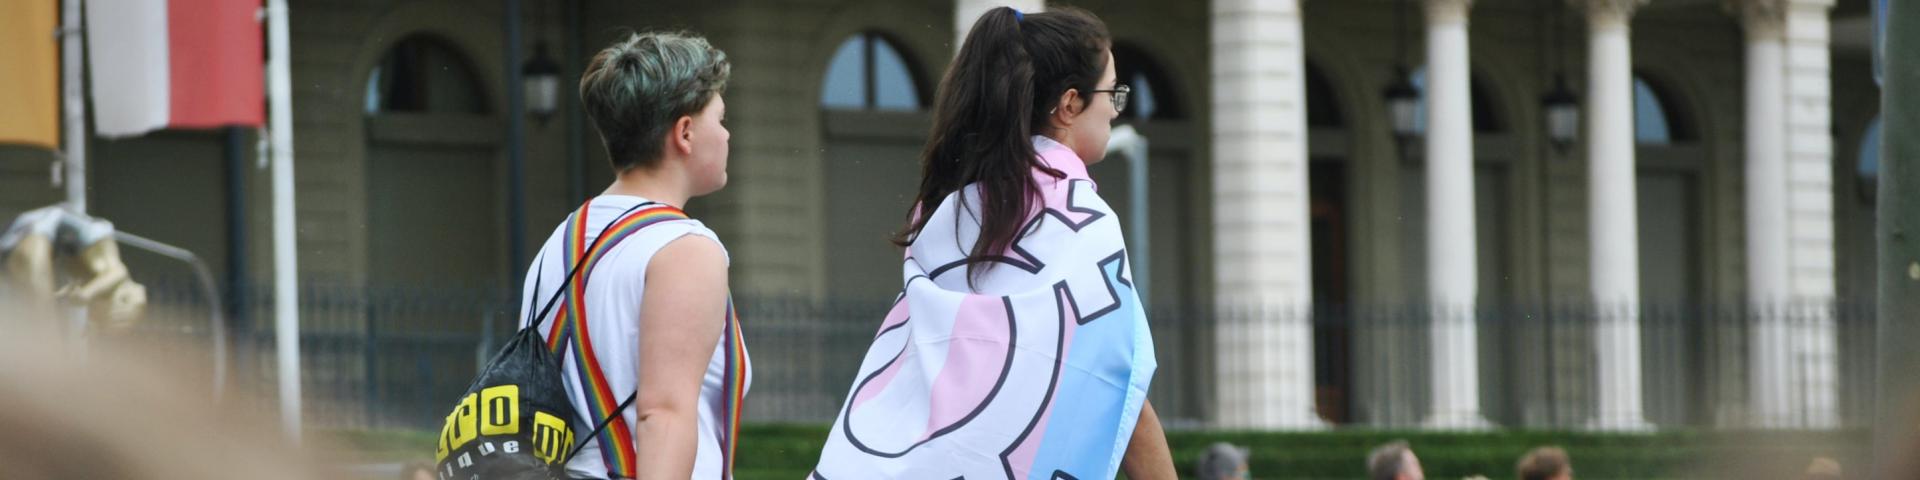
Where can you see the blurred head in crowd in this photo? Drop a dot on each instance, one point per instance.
(1394, 461)
(1545, 463)
(1223, 461)
(1822, 468)
(417, 471)
(118, 411)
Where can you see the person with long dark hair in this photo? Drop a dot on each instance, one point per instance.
(1018, 348)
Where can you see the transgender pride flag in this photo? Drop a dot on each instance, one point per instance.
(1036, 371)
(174, 64)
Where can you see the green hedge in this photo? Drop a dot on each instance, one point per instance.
(788, 452)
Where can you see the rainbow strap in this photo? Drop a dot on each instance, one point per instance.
(570, 326)
(734, 386)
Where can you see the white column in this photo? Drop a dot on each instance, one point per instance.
(1766, 209)
(965, 12)
(1614, 231)
(1789, 201)
(1261, 245)
(1452, 277)
(1809, 174)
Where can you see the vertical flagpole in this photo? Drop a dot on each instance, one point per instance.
(74, 159)
(74, 101)
(73, 171)
(286, 287)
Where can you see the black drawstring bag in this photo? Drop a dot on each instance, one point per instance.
(512, 424)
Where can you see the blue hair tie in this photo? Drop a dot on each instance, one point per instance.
(1017, 16)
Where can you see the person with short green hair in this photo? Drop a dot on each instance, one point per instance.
(654, 297)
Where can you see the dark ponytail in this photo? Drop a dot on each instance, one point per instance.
(998, 93)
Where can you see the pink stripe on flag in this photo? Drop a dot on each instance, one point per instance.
(976, 358)
(895, 317)
(879, 384)
(873, 388)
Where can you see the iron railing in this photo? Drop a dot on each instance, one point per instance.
(398, 357)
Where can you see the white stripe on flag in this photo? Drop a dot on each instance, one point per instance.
(127, 54)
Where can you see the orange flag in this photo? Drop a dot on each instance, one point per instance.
(29, 73)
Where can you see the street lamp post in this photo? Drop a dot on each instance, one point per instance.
(541, 76)
(1403, 100)
(1563, 115)
(1403, 108)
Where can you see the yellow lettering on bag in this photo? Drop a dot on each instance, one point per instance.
(462, 425)
(551, 437)
(446, 439)
(500, 410)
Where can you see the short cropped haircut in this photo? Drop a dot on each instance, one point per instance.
(1543, 463)
(638, 87)
(1386, 461)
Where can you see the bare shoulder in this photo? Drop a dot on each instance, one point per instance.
(690, 257)
(686, 290)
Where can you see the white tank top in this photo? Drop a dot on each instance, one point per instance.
(613, 315)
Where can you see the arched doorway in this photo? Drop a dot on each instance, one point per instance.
(433, 229)
(1671, 164)
(1330, 242)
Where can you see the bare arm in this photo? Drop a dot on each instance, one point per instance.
(680, 322)
(1148, 457)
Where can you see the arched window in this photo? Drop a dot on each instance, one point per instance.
(1486, 119)
(869, 73)
(1654, 120)
(1323, 110)
(424, 74)
(1152, 96)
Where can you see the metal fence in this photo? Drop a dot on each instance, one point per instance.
(397, 358)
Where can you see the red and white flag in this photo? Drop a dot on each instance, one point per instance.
(174, 64)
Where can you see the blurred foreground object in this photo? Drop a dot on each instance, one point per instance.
(125, 412)
(1822, 468)
(1896, 427)
(53, 254)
